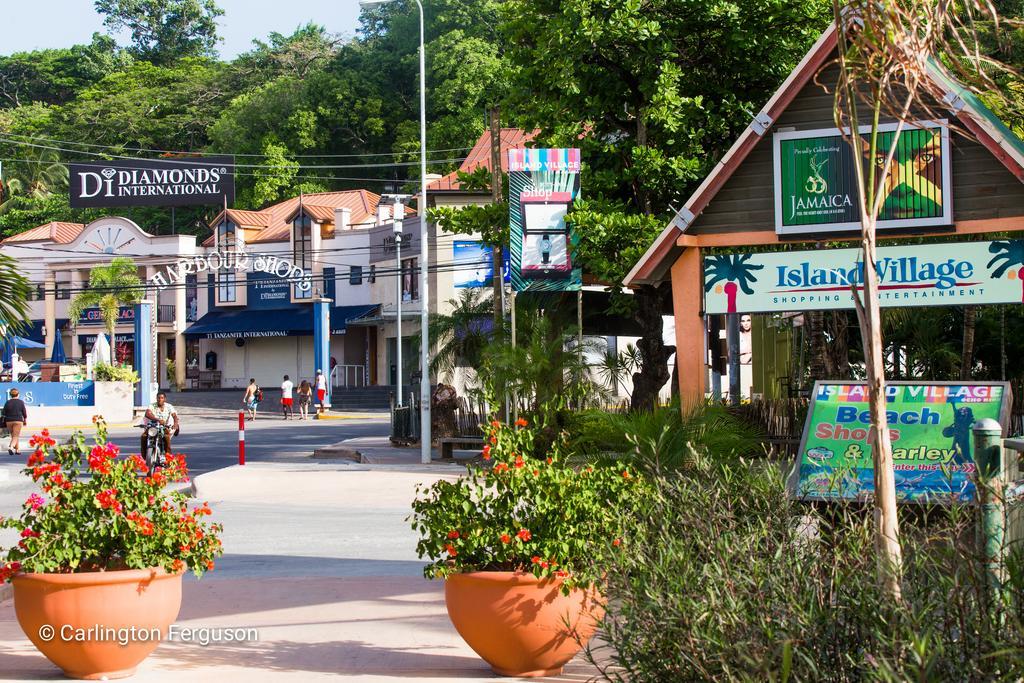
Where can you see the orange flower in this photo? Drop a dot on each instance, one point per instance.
(505, 538)
(625, 474)
(521, 422)
(450, 549)
(524, 535)
(452, 535)
(486, 452)
(519, 462)
(617, 542)
(535, 559)
(549, 460)
(501, 467)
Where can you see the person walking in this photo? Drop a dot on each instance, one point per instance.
(321, 390)
(15, 415)
(305, 392)
(286, 397)
(252, 398)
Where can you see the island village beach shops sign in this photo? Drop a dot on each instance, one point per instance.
(953, 274)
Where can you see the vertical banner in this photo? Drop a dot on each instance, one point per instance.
(543, 184)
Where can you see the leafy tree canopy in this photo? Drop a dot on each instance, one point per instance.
(163, 31)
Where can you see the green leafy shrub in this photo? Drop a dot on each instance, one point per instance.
(723, 578)
(105, 372)
(97, 512)
(662, 438)
(518, 513)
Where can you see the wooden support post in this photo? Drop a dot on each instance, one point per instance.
(691, 344)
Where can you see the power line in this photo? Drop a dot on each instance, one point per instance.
(236, 154)
(200, 162)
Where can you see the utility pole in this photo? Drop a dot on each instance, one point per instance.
(497, 259)
(396, 223)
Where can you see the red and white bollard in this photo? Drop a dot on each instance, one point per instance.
(241, 437)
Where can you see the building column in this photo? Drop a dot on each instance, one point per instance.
(50, 312)
(144, 352)
(322, 341)
(75, 282)
(691, 343)
(180, 323)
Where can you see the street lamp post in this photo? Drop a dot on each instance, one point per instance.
(425, 450)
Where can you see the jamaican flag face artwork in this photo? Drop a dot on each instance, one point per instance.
(816, 179)
(913, 188)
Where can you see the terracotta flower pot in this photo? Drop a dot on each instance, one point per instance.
(128, 611)
(519, 624)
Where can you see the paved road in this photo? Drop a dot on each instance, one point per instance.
(209, 438)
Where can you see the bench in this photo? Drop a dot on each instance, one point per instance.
(448, 444)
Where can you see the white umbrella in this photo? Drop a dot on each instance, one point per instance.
(101, 349)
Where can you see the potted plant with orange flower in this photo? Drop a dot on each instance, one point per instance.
(520, 541)
(97, 570)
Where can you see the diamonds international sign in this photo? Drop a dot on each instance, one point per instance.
(816, 185)
(954, 274)
(152, 182)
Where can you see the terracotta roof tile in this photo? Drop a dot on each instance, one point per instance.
(273, 223)
(480, 156)
(58, 232)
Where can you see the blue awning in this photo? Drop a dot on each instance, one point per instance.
(296, 321)
(34, 331)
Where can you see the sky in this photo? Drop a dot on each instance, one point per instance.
(37, 24)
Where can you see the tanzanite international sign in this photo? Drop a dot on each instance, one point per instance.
(183, 181)
(816, 181)
(954, 274)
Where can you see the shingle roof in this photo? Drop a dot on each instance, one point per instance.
(271, 223)
(58, 232)
(480, 156)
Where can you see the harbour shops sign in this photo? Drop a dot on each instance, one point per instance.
(816, 182)
(226, 261)
(152, 182)
(955, 274)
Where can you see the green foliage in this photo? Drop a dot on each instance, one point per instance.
(106, 372)
(164, 31)
(111, 286)
(14, 292)
(724, 578)
(55, 76)
(95, 512)
(461, 336)
(517, 513)
(663, 439)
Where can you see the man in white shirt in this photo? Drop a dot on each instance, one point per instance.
(286, 397)
(162, 413)
(321, 390)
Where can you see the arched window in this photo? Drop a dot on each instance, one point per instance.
(302, 250)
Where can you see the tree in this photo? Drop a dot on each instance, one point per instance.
(885, 54)
(110, 287)
(55, 76)
(653, 93)
(460, 336)
(14, 294)
(37, 177)
(164, 31)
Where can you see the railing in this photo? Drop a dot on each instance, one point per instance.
(165, 313)
(347, 376)
(405, 422)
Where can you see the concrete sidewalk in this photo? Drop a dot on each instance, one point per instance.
(321, 561)
(378, 450)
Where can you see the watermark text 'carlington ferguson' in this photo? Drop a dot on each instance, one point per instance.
(200, 635)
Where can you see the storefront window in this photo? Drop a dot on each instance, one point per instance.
(302, 250)
(410, 281)
(226, 241)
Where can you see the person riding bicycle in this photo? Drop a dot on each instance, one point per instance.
(161, 413)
